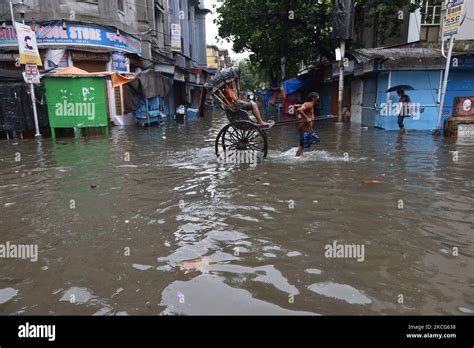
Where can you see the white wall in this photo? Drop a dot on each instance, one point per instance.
(466, 31)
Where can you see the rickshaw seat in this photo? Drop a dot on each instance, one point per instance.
(240, 115)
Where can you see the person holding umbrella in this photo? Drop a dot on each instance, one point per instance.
(405, 105)
(405, 109)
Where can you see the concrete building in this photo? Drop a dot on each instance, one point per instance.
(187, 20)
(213, 57)
(94, 35)
(217, 58)
(413, 58)
(424, 26)
(224, 59)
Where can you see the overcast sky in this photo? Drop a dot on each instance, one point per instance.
(212, 32)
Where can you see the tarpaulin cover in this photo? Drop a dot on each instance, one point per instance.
(267, 95)
(343, 13)
(148, 84)
(16, 110)
(293, 85)
(11, 74)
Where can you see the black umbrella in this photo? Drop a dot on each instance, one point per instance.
(400, 88)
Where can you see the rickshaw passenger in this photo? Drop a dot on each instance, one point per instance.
(233, 99)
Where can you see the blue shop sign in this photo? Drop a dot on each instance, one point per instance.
(76, 35)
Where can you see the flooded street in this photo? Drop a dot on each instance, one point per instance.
(172, 231)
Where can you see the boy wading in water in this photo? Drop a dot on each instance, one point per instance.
(306, 114)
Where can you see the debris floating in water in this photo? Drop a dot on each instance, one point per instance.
(200, 264)
(372, 181)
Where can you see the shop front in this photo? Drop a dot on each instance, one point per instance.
(88, 47)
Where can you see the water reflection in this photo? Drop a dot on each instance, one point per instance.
(158, 226)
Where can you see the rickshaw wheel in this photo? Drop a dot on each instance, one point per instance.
(241, 136)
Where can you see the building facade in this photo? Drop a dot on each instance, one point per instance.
(213, 57)
(414, 57)
(187, 20)
(126, 36)
(94, 35)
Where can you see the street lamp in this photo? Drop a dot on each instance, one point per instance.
(21, 7)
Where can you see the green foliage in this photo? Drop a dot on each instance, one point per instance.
(298, 30)
(251, 78)
(265, 28)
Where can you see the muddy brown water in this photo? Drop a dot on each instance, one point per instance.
(172, 231)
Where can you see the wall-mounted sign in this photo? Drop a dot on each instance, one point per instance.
(28, 48)
(176, 37)
(120, 62)
(452, 20)
(76, 35)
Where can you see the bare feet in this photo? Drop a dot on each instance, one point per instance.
(300, 152)
(264, 124)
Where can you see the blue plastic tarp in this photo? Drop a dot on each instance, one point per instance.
(293, 85)
(267, 95)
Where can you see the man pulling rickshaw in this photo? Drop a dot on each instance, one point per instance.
(244, 134)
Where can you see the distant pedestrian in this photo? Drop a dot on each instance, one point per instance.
(405, 109)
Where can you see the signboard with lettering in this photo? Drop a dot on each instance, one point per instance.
(31, 74)
(76, 102)
(50, 35)
(453, 17)
(28, 48)
(176, 37)
(120, 62)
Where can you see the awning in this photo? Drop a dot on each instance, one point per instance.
(117, 79)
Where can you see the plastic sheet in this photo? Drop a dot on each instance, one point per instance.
(343, 19)
(16, 110)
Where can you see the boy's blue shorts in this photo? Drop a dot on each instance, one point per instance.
(308, 138)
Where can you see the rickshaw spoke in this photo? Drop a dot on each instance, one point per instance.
(249, 134)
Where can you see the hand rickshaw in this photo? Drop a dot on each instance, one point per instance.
(242, 133)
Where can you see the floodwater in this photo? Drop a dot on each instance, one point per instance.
(172, 231)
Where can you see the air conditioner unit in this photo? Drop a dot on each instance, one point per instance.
(463, 106)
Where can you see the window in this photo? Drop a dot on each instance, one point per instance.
(121, 6)
(431, 12)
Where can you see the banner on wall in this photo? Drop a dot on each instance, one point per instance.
(75, 35)
(27, 45)
(176, 37)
